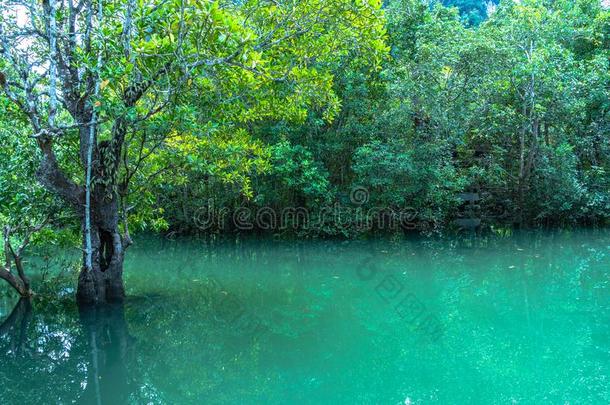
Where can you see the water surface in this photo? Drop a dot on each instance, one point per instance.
(521, 319)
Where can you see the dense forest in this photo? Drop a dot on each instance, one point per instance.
(515, 108)
(183, 116)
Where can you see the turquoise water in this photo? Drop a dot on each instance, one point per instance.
(521, 319)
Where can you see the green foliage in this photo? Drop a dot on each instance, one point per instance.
(415, 102)
(416, 177)
(473, 11)
(24, 203)
(446, 114)
(296, 171)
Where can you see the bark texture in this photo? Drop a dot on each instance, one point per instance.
(103, 282)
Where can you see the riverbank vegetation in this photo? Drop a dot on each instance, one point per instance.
(179, 117)
(514, 109)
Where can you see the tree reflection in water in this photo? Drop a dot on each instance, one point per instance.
(81, 354)
(108, 341)
(59, 353)
(15, 329)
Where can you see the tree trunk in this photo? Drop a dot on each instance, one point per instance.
(21, 287)
(104, 281)
(19, 281)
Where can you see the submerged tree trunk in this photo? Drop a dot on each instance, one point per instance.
(103, 281)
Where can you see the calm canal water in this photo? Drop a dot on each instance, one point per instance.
(521, 319)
